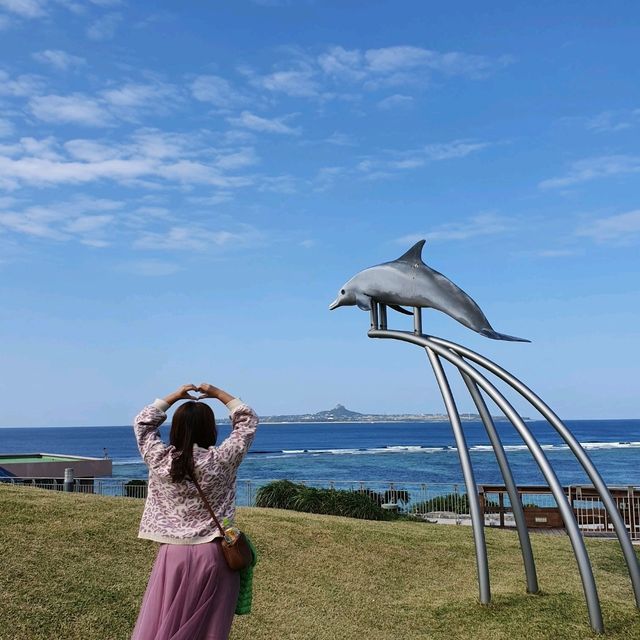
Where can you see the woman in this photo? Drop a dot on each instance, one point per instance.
(192, 593)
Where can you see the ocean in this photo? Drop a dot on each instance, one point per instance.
(370, 452)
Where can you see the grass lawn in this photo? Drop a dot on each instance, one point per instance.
(72, 568)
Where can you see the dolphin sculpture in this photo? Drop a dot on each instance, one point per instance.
(410, 282)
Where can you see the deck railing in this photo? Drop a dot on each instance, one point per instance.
(431, 502)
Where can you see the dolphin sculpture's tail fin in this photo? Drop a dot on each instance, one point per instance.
(494, 335)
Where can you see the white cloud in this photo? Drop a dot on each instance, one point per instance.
(58, 59)
(104, 28)
(481, 225)
(251, 121)
(46, 148)
(340, 62)
(394, 101)
(213, 200)
(382, 167)
(278, 184)
(132, 95)
(323, 76)
(391, 59)
(192, 172)
(81, 219)
(388, 164)
(340, 139)
(131, 101)
(156, 157)
(237, 160)
(128, 101)
(20, 87)
(76, 109)
(6, 127)
(24, 8)
(557, 253)
(151, 268)
(622, 228)
(297, 84)
(613, 121)
(453, 149)
(157, 144)
(217, 91)
(397, 65)
(87, 224)
(197, 238)
(594, 168)
(92, 150)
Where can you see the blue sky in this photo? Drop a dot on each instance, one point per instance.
(184, 187)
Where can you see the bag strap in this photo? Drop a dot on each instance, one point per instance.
(206, 504)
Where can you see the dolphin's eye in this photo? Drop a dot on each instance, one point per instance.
(342, 291)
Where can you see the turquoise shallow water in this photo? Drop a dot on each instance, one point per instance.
(397, 452)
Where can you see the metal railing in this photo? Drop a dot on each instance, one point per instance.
(430, 502)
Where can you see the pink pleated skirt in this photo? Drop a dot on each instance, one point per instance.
(191, 595)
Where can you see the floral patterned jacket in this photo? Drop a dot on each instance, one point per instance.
(174, 513)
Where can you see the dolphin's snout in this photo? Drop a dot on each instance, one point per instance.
(334, 304)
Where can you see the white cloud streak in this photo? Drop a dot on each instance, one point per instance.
(623, 228)
(293, 83)
(104, 28)
(253, 122)
(481, 225)
(20, 87)
(58, 59)
(24, 8)
(395, 101)
(161, 158)
(82, 219)
(151, 268)
(397, 65)
(614, 121)
(594, 168)
(217, 91)
(76, 109)
(198, 238)
(324, 76)
(6, 127)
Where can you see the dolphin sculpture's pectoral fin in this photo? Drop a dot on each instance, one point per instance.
(363, 301)
(399, 309)
(501, 336)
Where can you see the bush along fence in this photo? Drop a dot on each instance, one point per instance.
(377, 500)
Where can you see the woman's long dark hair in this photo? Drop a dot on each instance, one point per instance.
(193, 423)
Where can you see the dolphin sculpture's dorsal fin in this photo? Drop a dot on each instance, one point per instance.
(414, 255)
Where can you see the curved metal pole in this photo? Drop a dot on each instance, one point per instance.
(579, 550)
(512, 490)
(614, 515)
(477, 520)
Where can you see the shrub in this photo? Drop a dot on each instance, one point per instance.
(455, 502)
(135, 489)
(284, 494)
(458, 503)
(277, 495)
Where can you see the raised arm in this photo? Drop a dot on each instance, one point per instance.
(148, 421)
(244, 423)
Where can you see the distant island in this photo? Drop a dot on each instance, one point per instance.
(341, 414)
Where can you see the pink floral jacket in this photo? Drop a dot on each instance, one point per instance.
(174, 513)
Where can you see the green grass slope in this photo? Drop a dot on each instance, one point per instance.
(72, 568)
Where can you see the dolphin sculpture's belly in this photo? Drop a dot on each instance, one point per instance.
(420, 286)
